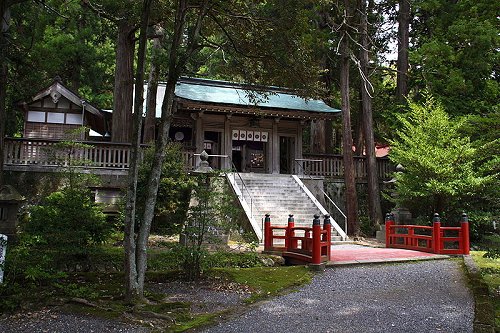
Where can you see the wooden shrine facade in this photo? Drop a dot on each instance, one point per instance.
(219, 117)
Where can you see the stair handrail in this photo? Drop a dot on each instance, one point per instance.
(304, 173)
(234, 170)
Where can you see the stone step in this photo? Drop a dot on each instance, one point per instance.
(279, 196)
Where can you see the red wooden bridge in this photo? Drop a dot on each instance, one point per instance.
(312, 245)
(299, 245)
(435, 239)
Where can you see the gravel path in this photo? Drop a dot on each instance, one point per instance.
(427, 296)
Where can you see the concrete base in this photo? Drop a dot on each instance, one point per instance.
(380, 235)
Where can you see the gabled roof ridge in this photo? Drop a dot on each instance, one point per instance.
(231, 84)
(67, 93)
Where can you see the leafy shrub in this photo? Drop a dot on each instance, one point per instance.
(174, 189)
(68, 222)
(225, 259)
(440, 174)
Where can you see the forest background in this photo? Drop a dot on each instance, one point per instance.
(447, 60)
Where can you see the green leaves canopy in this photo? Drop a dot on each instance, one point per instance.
(438, 161)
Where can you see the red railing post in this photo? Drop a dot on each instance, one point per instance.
(327, 225)
(389, 221)
(464, 223)
(316, 246)
(268, 242)
(436, 233)
(290, 244)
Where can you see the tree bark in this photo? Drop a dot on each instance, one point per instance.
(329, 137)
(349, 171)
(134, 287)
(4, 16)
(154, 73)
(359, 140)
(124, 83)
(318, 136)
(374, 208)
(4, 72)
(176, 65)
(403, 45)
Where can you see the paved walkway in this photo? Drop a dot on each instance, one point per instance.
(350, 254)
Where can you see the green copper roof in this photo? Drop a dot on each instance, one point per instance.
(229, 93)
(222, 92)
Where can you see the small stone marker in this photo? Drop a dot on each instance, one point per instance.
(3, 251)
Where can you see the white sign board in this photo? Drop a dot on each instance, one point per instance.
(3, 251)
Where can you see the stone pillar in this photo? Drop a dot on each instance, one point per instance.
(228, 144)
(275, 147)
(199, 136)
(3, 251)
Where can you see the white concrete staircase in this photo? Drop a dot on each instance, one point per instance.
(279, 196)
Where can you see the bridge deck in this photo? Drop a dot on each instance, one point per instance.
(358, 254)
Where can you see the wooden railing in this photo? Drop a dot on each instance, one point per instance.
(332, 166)
(49, 152)
(435, 239)
(301, 244)
(88, 154)
(109, 155)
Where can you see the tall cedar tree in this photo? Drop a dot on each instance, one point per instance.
(374, 208)
(349, 170)
(403, 49)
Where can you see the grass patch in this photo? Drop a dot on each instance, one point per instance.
(490, 274)
(267, 281)
(197, 321)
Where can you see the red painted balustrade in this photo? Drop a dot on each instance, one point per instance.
(299, 244)
(435, 239)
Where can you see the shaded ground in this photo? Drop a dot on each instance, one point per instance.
(52, 320)
(204, 298)
(427, 296)
(430, 296)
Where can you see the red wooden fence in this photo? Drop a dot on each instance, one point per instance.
(435, 239)
(299, 244)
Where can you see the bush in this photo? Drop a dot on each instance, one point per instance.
(440, 174)
(172, 200)
(68, 222)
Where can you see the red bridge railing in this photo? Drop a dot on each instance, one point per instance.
(435, 239)
(299, 244)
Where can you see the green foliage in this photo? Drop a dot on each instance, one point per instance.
(455, 53)
(69, 221)
(484, 206)
(173, 191)
(487, 304)
(439, 163)
(210, 218)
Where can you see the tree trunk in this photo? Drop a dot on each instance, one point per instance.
(329, 137)
(349, 171)
(124, 83)
(4, 16)
(359, 140)
(318, 137)
(154, 73)
(374, 208)
(134, 287)
(176, 65)
(403, 45)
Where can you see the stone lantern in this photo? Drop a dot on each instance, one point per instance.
(10, 200)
